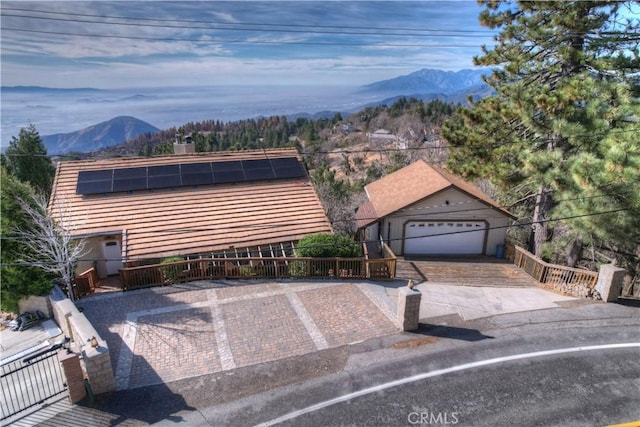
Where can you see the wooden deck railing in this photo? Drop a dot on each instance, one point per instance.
(256, 268)
(85, 283)
(552, 274)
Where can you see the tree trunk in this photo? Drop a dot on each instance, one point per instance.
(539, 228)
(574, 253)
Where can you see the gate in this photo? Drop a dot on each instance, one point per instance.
(31, 381)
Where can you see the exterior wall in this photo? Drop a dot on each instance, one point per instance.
(449, 205)
(94, 252)
(95, 257)
(372, 232)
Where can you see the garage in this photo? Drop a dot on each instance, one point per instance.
(444, 237)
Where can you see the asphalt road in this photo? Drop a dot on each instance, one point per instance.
(587, 388)
(574, 385)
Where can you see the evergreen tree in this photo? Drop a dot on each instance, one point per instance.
(558, 132)
(17, 280)
(26, 159)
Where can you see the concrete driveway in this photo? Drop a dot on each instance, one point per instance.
(473, 288)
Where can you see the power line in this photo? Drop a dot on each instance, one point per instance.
(269, 42)
(410, 214)
(313, 31)
(407, 238)
(293, 25)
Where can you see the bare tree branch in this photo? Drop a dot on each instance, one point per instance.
(51, 245)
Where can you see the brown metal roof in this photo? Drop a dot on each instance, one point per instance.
(190, 220)
(415, 182)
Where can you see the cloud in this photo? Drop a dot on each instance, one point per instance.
(184, 43)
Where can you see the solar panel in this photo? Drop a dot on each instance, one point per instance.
(256, 164)
(284, 162)
(226, 166)
(260, 174)
(177, 175)
(129, 184)
(93, 187)
(203, 178)
(163, 181)
(226, 177)
(128, 173)
(190, 168)
(293, 172)
(99, 175)
(163, 170)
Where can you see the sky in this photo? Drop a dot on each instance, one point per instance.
(125, 44)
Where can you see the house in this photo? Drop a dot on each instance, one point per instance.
(423, 210)
(140, 210)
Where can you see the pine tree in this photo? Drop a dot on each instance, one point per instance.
(557, 134)
(26, 159)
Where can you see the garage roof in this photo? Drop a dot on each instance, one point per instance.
(409, 185)
(190, 219)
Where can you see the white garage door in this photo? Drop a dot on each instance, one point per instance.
(444, 238)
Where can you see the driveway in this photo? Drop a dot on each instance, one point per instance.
(476, 287)
(164, 334)
(473, 271)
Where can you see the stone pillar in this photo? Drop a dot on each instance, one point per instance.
(409, 308)
(610, 280)
(98, 366)
(74, 376)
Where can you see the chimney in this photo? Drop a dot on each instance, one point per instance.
(186, 147)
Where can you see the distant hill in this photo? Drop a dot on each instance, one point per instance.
(429, 81)
(459, 97)
(97, 137)
(40, 89)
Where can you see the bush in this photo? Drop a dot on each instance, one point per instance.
(171, 274)
(328, 246)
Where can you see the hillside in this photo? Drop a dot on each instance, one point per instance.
(428, 81)
(97, 137)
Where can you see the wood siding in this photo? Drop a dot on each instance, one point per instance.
(460, 207)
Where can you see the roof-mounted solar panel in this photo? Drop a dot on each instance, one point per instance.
(163, 170)
(228, 177)
(94, 187)
(163, 181)
(140, 172)
(226, 166)
(259, 174)
(129, 184)
(188, 174)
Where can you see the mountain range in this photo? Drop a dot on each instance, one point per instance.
(99, 136)
(425, 84)
(432, 81)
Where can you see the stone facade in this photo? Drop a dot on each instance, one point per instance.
(96, 361)
(409, 308)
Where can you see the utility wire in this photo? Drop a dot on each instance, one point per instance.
(400, 238)
(292, 25)
(312, 31)
(410, 214)
(238, 41)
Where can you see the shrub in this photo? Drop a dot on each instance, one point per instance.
(328, 246)
(171, 273)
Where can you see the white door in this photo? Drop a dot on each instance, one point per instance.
(113, 256)
(444, 237)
